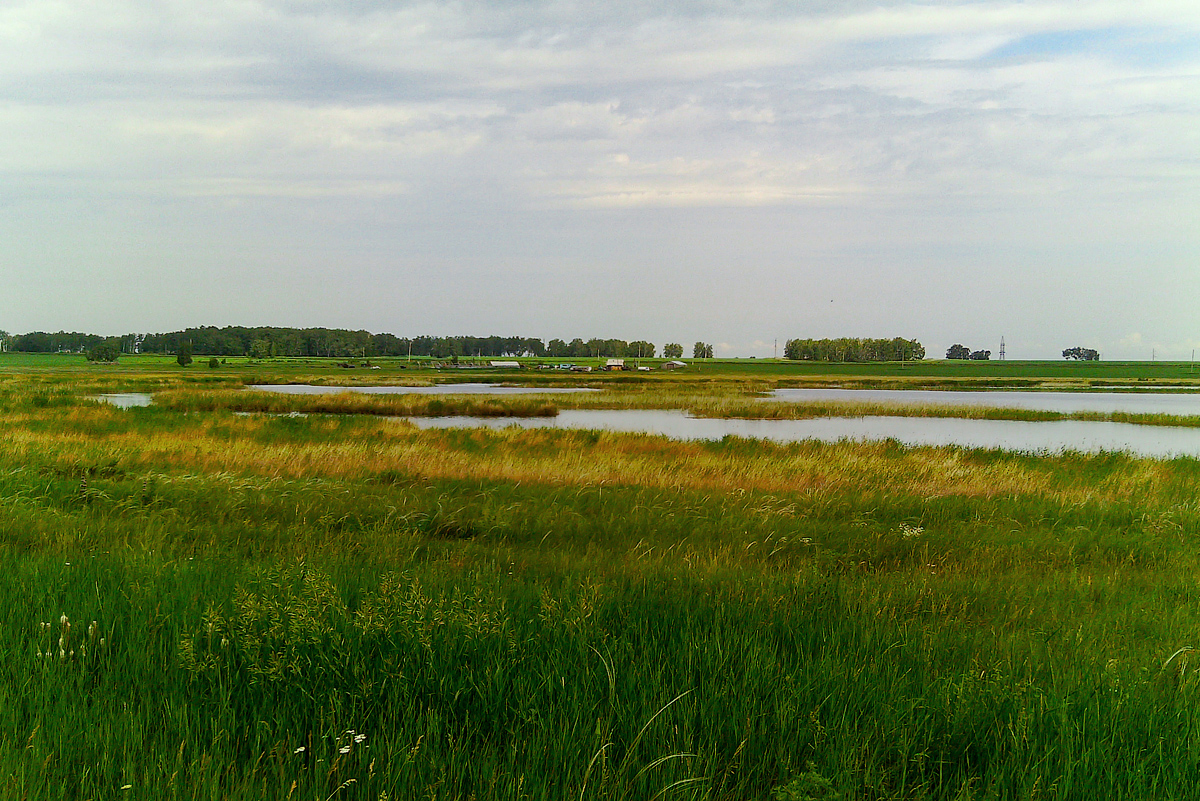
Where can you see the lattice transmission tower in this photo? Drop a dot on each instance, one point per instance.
(1001, 348)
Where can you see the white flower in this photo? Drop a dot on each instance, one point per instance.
(299, 750)
(63, 619)
(345, 749)
(359, 738)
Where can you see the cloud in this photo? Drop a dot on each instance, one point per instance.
(852, 142)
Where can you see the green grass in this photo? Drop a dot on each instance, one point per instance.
(549, 614)
(929, 373)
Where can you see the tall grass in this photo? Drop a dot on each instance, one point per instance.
(356, 403)
(347, 607)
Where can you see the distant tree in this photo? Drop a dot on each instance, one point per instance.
(958, 352)
(846, 349)
(260, 349)
(981, 355)
(184, 354)
(702, 350)
(105, 352)
(672, 350)
(214, 363)
(1082, 354)
(641, 349)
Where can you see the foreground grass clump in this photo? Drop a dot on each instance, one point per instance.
(348, 607)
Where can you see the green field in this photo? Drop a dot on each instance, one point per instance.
(342, 606)
(932, 372)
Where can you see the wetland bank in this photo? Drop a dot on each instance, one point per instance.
(340, 605)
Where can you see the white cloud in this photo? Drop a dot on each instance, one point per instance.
(894, 124)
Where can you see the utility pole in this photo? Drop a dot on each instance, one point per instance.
(776, 347)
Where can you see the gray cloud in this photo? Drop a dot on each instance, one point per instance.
(953, 154)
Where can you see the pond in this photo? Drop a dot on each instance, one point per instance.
(1171, 402)
(127, 400)
(436, 389)
(1079, 435)
(1014, 435)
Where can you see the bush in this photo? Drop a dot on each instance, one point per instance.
(105, 352)
(214, 363)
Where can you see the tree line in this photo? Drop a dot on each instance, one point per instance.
(854, 350)
(266, 342)
(957, 351)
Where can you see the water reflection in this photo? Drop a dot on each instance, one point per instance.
(1180, 403)
(1076, 435)
(126, 400)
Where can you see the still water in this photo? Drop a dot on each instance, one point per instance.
(1181, 403)
(1078, 435)
(1015, 435)
(437, 389)
(127, 400)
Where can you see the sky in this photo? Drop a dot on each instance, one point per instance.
(740, 173)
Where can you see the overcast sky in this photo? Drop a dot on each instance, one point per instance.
(952, 171)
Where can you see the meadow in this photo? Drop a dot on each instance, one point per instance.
(201, 604)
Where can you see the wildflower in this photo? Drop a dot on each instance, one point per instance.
(345, 749)
(299, 750)
(359, 738)
(63, 619)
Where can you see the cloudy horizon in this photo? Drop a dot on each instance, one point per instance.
(735, 173)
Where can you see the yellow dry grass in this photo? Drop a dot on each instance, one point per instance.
(357, 448)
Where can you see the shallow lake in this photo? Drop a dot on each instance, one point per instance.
(1060, 435)
(1181, 403)
(127, 400)
(437, 389)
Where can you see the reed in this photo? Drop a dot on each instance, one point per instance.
(401, 405)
